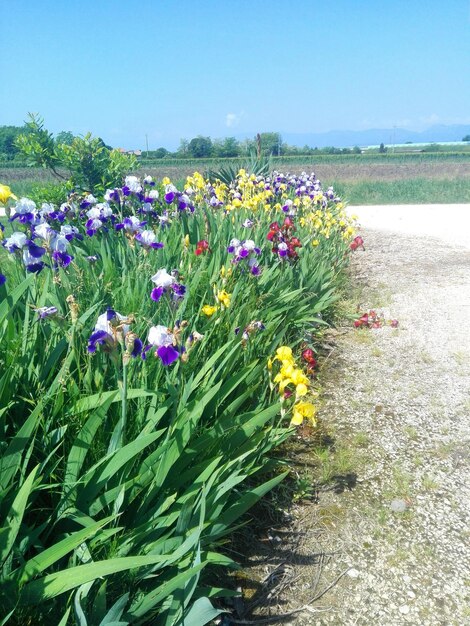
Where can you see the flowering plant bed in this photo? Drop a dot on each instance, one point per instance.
(157, 344)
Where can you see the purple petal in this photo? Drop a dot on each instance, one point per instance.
(137, 348)
(157, 293)
(35, 267)
(36, 251)
(145, 350)
(167, 354)
(98, 337)
(3, 279)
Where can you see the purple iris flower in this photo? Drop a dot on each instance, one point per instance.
(245, 251)
(25, 211)
(31, 262)
(167, 354)
(112, 195)
(131, 224)
(3, 279)
(92, 226)
(46, 311)
(61, 259)
(282, 249)
(162, 339)
(166, 283)
(104, 332)
(178, 290)
(147, 239)
(70, 232)
(99, 337)
(88, 201)
(169, 197)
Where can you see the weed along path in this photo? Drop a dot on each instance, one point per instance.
(385, 541)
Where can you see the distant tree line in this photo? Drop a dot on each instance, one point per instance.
(196, 148)
(268, 144)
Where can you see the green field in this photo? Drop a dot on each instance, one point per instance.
(400, 178)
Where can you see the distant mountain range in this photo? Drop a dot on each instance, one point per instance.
(376, 136)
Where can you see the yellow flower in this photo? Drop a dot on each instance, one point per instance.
(270, 364)
(6, 194)
(299, 378)
(166, 181)
(209, 310)
(301, 390)
(315, 242)
(186, 241)
(303, 410)
(224, 297)
(284, 353)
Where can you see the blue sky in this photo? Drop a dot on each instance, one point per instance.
(179, 68)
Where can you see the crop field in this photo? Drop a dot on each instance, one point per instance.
(360, 179)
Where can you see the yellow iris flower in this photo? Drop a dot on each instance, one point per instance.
(209, 310)
(224, 298)
(6, 194)
(301, 411)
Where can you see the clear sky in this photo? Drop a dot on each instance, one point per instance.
(179, 68)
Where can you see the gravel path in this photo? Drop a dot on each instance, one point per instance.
(396, 543)
(406, 398)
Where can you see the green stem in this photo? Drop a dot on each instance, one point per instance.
(123, 401)
(123, 420)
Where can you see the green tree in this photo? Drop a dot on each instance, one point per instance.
(87, 163)
(8, 135)
(382, 148)
(227, 147)
(200, 147)
(65, 136)
(466, 138)
(271, 143)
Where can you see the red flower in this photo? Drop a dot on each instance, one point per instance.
(296, 243)
(357, 242)
(202, 246)
(270, 236)
(309, 356)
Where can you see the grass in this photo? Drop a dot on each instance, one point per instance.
(407, 191)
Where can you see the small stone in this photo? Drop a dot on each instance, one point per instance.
(404, 609)
(398, 505)
(411, 594)
(353, 573)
